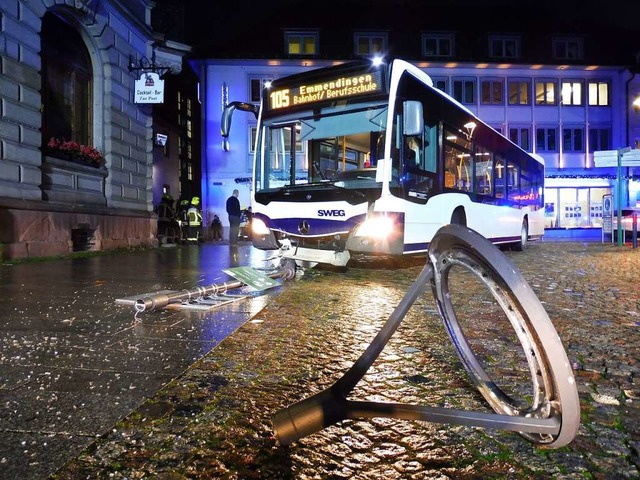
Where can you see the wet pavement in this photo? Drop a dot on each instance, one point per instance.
(89, 391)
(73, 362)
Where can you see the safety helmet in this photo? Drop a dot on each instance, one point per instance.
(195, 200)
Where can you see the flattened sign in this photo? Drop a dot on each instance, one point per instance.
(149, 88)
(252, 277)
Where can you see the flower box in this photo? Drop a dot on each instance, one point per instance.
(74, 152)
(70, 182)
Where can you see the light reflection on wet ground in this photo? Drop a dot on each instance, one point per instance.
(73, 362)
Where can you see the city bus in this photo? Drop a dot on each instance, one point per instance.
(365, 159)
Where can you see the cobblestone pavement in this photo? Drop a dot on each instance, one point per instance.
(214, 421)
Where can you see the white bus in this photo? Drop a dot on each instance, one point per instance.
(364, 159)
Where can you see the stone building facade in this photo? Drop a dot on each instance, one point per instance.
(65, 69)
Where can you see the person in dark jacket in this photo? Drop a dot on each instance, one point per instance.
(234, 212)
(216, 228)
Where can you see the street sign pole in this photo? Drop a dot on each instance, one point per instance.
(621, 152)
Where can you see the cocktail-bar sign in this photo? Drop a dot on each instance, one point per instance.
(149, 88)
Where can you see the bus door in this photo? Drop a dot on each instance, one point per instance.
(418, 153)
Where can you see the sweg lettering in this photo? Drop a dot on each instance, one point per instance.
(331, 213)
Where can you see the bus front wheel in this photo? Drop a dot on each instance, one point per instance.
(521, 244)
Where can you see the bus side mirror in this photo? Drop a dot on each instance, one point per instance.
(227, 113)
(413, 121)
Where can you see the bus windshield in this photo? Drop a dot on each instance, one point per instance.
(338, 145)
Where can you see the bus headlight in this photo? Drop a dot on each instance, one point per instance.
(375, 227)
(258, 227)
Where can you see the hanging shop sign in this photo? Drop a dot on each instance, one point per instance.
(149, 88)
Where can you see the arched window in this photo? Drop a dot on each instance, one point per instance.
(66, 82)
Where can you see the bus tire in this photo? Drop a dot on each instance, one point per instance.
(546, 388)
(521, 245)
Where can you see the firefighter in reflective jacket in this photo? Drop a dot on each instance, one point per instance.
(194, 219)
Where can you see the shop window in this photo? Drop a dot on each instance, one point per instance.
(66, 83)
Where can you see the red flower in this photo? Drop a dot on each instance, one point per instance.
(75, 152)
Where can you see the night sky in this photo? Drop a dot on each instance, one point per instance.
(238, 28)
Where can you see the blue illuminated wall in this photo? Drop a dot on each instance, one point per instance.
(223, 171)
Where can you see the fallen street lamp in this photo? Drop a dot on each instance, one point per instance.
(548, 415)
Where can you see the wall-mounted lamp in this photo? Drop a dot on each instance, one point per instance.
(636, 103)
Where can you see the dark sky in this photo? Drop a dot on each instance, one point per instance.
(215, 25)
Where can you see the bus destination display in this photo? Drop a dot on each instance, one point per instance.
(319, 91)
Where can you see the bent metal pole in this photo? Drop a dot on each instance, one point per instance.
(154, 301)
(553, 416)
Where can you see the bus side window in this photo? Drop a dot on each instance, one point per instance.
(483, 164)
(450, 167)
(430, 149)
(499, 176)
(513, 181)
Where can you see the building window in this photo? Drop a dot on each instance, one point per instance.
(504, 47)
(438, 45)
(573, 139)
(464, 91)
(546, 140)
(546, 92)
(599, 94)
(521, 136)
(441, 84)
(253, 133)
(67, 83)
(519, 92)
(301, 43)
(567, 48)
(492, 92)
(599, 139)
(255, 88)
(370, 43)
(572, 92)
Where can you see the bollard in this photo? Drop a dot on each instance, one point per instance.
(553, 418)
(635, 231)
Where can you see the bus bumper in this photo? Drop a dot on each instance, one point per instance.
(313, 255)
